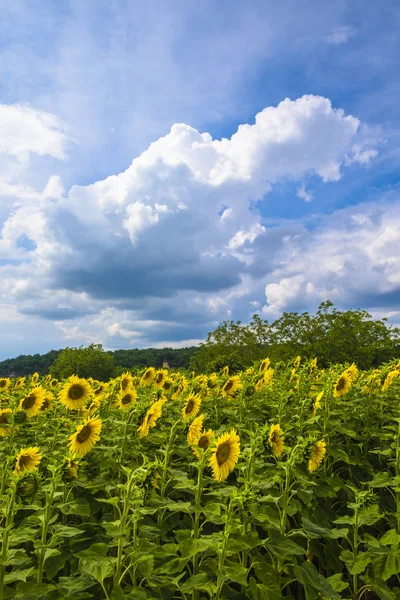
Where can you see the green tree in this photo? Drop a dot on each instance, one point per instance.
(85, 362)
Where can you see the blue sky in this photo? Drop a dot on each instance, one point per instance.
(126, 126)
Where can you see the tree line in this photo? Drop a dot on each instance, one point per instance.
(330, 335)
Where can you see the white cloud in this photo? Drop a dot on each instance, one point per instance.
(303, 194)
(146, 255)
(340, 35)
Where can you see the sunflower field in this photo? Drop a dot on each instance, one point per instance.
(282, 481)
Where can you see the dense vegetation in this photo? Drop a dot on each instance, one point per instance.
(330, 335)
(279, 482)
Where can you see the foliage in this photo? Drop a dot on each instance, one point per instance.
(330, 335)
(307, 506)
(28, 364)
(85, 362)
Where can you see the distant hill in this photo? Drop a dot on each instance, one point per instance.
(26, 364)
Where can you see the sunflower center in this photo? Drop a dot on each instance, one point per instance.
(24, 462)
(159, 378)
(167, 386)
(223, 452)
(29, 401)
(126, 399)
(3, 419)
(84, 434)
(124, 384)
(228, 385)
(2, 383)
(76, 391)
(189, 407)
(204, 442)
(341, 384)
(45, 404)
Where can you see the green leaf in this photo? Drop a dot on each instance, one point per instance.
(54, 564)
(314, 583)
(283, 547)
(201, 581)
(392, 565)
(94, 552)
(337, 583)
(358, 565)
(49, 552)
(234, 572)
(68, 586)
(259, 591)
(18, 575)
(313, 530)
(384, 593)
(79, 506)
(190, 547)
(32, 591)
(389, 538)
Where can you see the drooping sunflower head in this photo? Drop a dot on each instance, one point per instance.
(70, 469)
(4, 383)
(212, 381)
(352, 372)
(342, 385)
(317, 454)
(33, 402)
(276, 440)
(5, 414)
(47, 402)
(231, 387)
(127, 398)
(203, 442)
(225, 455)
(264, 365)
(150, 418)
(27, 459)
(126, 381)
(148, 376)
(317, 403)
(390, 377)
(20, 382)
(75, 392)
(225, 371)
(85, 437)
(35, 378)
(195, 429)
(160, 378)
(192, 406)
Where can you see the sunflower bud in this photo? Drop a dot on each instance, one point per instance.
(27, 486)
(20, 417)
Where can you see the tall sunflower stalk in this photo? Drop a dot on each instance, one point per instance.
(197, 512)
(48, 513)
(9, 520)
(223, 550)
(168, 452)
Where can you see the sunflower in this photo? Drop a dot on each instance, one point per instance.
(264, 365)
(180, 389)
(150, 418)
(148, 376)
(85, 436)
(230, 387)
(160, 378)
(167, 385)
(297, 362)
(4, 383)
(225, 371)
(75, 392)
(70, 469)
(204, 442)
(212, 381)
(389, 380)
(316, 456)
(342, 385)
(195, 429)
(47, 402)
(20, 382)
(127, 398)
(126, 381)
(313, 364)
(35, 378)
(93, 406)
(276, 440)
(4, 422)
(352, 372)
(192, 406)
(225, 455)
(265, 379)
(54, 383)
(317, 403)
(33, 402)
(27, 459)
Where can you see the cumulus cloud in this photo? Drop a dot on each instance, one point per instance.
(352, 258)
(149, 254)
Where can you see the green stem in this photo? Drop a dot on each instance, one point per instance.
(197, 514)
(6, 537)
